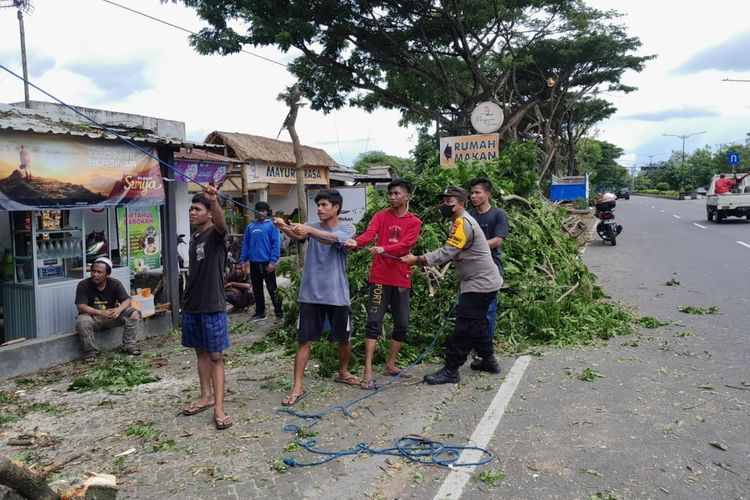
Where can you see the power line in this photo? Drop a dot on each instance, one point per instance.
(171, 25)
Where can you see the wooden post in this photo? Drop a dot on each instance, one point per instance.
(245, 195)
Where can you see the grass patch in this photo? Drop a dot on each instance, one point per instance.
(698, 310)
(143, 430)
(586, 375)
(7, 418)
(25, 382)
(114, 373)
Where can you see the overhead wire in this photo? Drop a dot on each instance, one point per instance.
(172, 25)
(161, 162)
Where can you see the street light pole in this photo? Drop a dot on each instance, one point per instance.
(683, 137)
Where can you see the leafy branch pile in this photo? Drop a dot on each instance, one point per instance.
(550, 296)
(114, 373)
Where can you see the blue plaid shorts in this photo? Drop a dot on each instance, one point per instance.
(207, 331)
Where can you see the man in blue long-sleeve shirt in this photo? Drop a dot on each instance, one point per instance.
(261, 248)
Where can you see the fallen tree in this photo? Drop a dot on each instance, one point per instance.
(549, 298)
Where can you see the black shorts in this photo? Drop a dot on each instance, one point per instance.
(384, 298)
(313, 316)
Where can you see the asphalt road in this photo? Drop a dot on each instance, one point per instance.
(645, 428)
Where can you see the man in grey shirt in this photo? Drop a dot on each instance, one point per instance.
(479, 281)
(324, 291)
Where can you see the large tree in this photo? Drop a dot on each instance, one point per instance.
(437, 59)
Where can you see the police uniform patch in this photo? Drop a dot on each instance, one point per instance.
(457, 236)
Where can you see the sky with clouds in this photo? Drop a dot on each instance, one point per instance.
(94, 54)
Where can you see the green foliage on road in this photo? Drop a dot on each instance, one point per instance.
(542, 264)
(114, 373)
(698, 310)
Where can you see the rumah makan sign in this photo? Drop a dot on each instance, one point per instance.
(482, 147)
(280, 174)
(42, 171)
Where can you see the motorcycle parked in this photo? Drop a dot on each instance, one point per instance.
(607, 228)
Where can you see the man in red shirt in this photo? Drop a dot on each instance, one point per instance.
(723, 185)
(397, 230)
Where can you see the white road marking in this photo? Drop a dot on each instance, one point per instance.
(743, 244)
(698, 225)
(653, 207)
(662, 211)
(676, 216)
(454, 484)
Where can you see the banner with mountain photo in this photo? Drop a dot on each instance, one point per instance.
(43, 171)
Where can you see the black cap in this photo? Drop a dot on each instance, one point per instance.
(456, 192)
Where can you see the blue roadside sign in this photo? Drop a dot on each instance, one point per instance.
(733, 158)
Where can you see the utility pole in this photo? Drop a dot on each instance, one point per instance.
(22, 6)
(23, 61)
(682, 166)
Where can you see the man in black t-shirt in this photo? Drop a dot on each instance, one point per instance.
(494, 224)
(204, 312)
(102, 303)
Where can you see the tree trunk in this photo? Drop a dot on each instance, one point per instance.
(293, 98)
(24, 482)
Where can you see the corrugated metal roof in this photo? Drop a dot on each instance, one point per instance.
(42, 122)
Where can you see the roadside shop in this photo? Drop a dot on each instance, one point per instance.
(69, 193)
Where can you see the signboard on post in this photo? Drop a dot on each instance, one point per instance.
(354, 206)
(482, 147)
(280, 174)
(733, 158)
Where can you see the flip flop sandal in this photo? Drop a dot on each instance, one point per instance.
(194, 409)
(223, 423)
(350, 380)
(293, 399)
(132, 351)
(400, 373)
(368, 385)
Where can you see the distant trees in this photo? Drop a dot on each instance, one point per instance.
(697, 170)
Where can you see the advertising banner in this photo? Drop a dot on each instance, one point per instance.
(203, 173)
(274, 174)
(42, 171)
(140, 238)
(482, 147)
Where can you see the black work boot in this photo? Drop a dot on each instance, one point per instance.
(443, 376)
(489, 365)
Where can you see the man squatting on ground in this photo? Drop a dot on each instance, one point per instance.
(397, 230)
(479, 281)
(102, 303)
(261, 249)
(324, 291)
(494, 224)
(204, 317)
(237, 289)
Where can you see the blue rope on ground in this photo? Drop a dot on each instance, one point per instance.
(413, 448)
(150, 155)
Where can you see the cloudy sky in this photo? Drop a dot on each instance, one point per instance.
(91, 53)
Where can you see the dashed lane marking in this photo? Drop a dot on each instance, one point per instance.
(676, 216)
(698, 225)
(454, 484)
(662, 211)
(744, 244)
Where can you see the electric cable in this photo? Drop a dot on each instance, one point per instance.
(162, 162)
(167, 23)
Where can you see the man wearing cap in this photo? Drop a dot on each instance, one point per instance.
(479, 281)
(103, 303)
